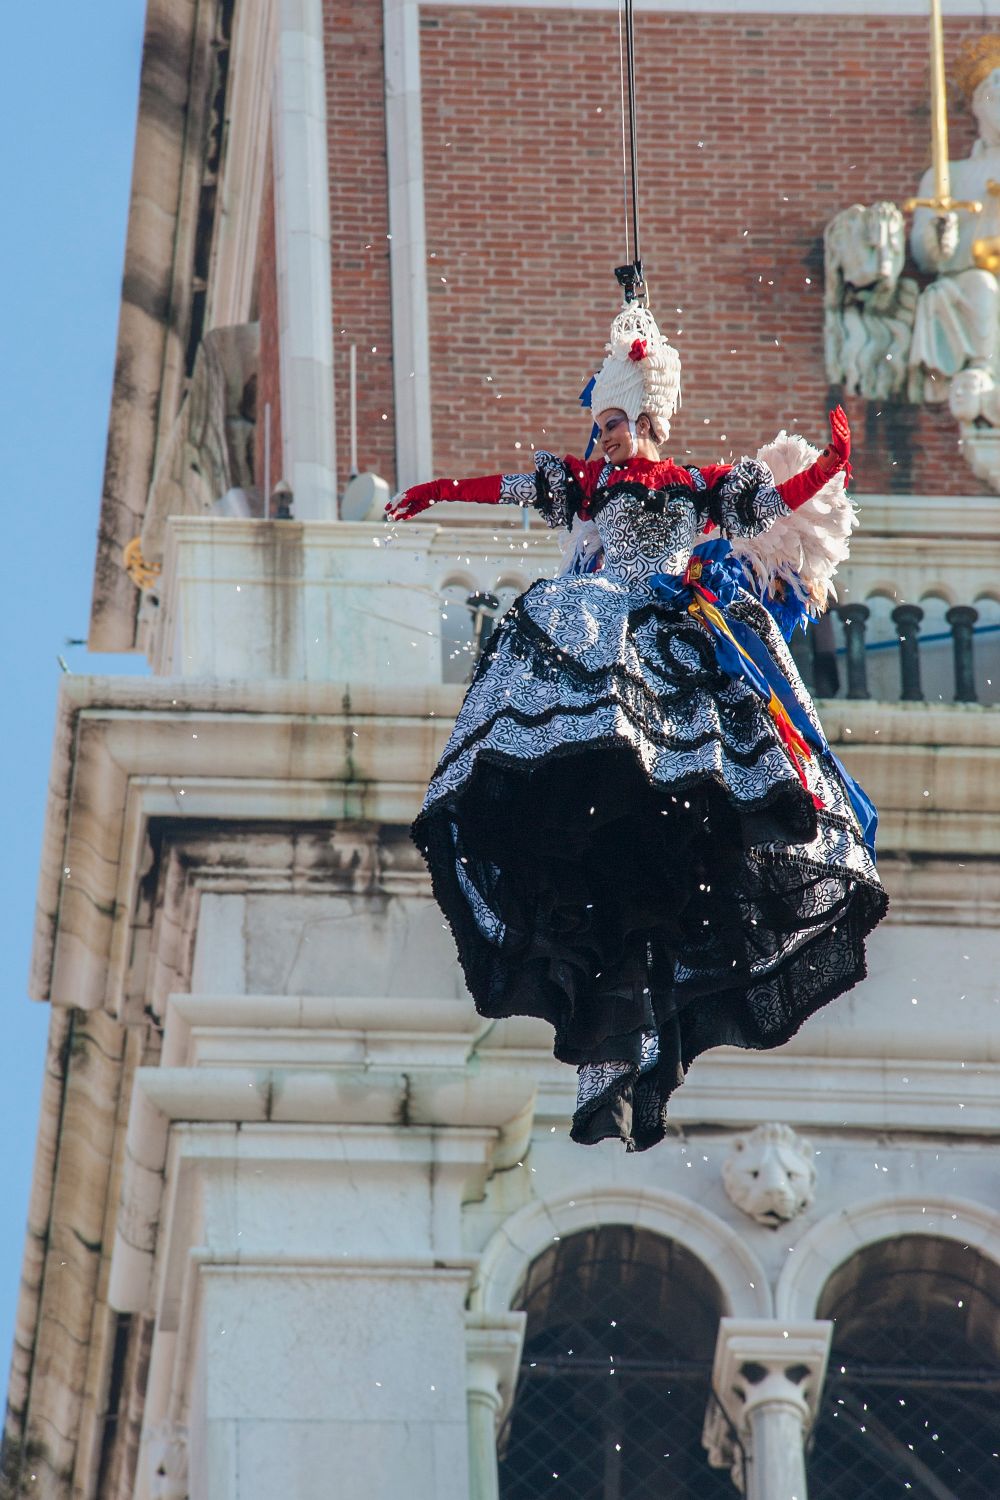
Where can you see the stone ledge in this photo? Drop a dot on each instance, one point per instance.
(130, 750)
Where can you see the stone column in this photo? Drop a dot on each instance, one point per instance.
(304, 1260)
(408, 245)
(493, 1344)
(767, 1379)
(302, 225)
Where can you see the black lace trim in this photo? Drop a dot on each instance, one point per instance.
(545, 500)
(651, 876)
(735, 498)
(553, 662)
(653, 501)
(576, 500)
(526, 640)
(746, 757)
(800, 817)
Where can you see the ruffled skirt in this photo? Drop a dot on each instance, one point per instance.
(622, 846)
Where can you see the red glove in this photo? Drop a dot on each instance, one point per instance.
(409, 503)
(835, 456)
(801, 487)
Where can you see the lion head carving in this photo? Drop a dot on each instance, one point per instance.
(770, 1174)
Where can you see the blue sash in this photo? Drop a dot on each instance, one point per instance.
(723, 574)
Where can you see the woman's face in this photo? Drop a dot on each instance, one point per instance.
(614, 436)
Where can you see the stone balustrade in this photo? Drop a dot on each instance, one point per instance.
(321, 601)
(917, 617)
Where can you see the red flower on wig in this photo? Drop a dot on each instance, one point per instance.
(638, 350)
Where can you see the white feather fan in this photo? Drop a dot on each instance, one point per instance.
(805, 548)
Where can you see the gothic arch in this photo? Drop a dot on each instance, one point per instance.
(833, 1240)
(741, 1277)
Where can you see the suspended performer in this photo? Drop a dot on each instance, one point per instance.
(637, 829)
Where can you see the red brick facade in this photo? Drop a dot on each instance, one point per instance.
(754, 132)
(359, 221)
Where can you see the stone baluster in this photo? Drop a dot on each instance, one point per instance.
(826, 678)
(492, 1353)
(855, 621)
(962, 619)
(907, 618)
(768, 1379)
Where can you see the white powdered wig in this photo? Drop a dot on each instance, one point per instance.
(805, 548)
(650, 383)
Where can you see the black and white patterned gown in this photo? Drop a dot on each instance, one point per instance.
(617, 837)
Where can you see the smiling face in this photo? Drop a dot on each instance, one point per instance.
(614, 436)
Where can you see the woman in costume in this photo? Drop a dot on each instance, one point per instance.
(637, 829)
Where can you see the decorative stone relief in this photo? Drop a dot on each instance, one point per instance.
(869, 306)
(167, 1458)
(884, 335)
(209, 450)
(770, 1174)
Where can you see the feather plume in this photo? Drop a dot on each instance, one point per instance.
(581, 548)
(804, 549)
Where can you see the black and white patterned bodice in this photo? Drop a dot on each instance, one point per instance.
(642, 537)
(645, 530)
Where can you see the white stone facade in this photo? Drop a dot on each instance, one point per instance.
(325, 1184)
(289, 1184)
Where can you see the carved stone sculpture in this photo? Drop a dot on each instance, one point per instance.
(167, 1458)
(770, 1174)
(958, 317)
(869, 306)
(948, 335)
(209, 450)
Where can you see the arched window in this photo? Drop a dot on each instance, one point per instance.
(616, 1373)
(912, 1399)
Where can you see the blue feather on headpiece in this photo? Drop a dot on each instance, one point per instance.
(585, 396)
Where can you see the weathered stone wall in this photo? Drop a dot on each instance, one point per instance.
(268, 382)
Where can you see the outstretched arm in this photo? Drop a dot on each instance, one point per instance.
(409, 503)
(556, 489)
(835, 456)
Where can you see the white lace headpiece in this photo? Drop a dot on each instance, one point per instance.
(641, 371)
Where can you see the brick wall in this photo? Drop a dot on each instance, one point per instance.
(359, 217)
(268, 377)
(754, 132)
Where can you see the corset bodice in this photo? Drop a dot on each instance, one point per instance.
(646, 536)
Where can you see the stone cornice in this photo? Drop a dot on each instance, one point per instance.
(131, 750)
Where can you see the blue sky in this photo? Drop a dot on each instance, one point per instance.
(69, 78)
